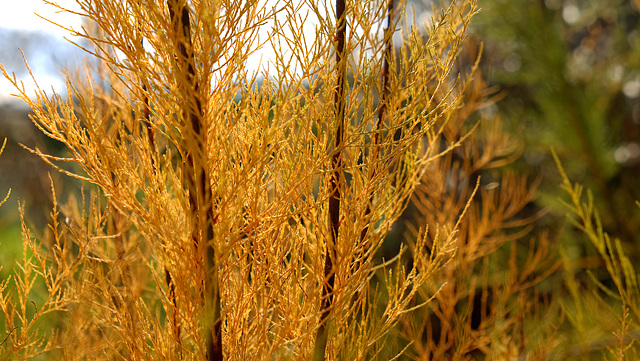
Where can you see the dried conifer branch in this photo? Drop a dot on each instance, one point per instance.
(294, 164)
(198, 181)
(335, 181)
(146, 118)
(375, 148)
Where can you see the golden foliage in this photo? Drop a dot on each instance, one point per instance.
(235, 218)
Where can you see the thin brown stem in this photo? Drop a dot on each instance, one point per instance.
(146, 118)
(147, 123)
(196, 173)
(175, 326)
(375, 142)
(334, 184)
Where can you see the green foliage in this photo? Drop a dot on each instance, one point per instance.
(569, 72)
(622, 273)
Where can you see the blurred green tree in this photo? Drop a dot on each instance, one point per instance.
(570, 72)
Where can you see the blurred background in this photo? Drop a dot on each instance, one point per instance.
(47, 53)
(569, 71)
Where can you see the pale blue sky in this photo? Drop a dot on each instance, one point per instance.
(47, 52)
(42, 42)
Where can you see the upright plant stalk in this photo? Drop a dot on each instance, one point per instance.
(124, 276)
(146, 118)
(334, 184)
(198, 182)
(375, 142)
(147, 124)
